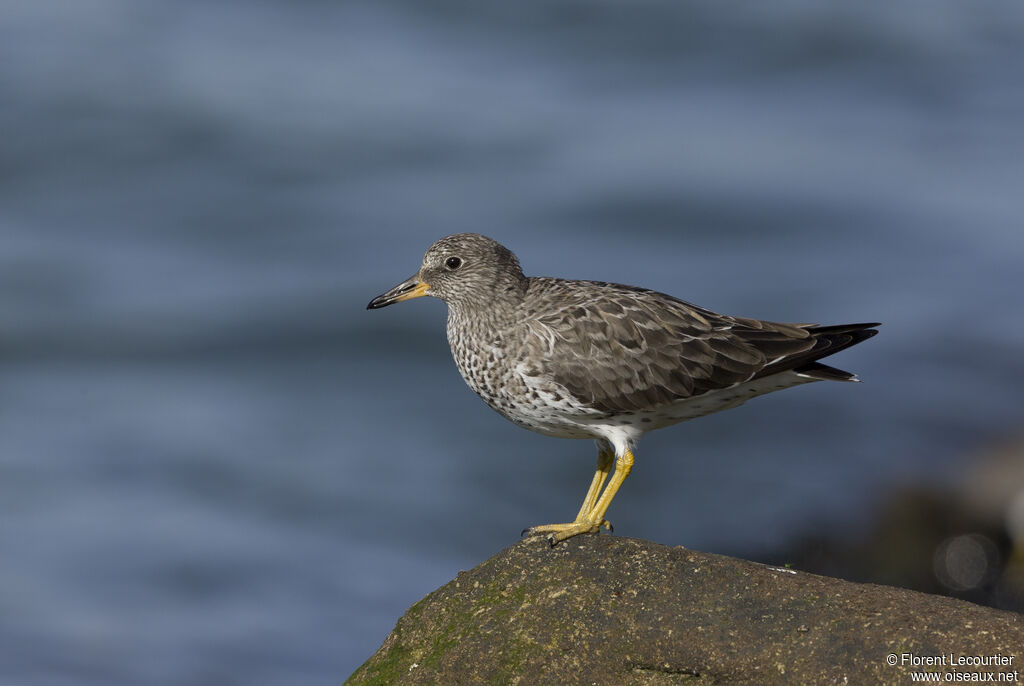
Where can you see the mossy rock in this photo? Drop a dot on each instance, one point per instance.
(610, 610)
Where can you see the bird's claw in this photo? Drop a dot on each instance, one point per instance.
(555, 533)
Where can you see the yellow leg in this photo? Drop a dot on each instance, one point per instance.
(623, 466)
(591, 519)
(604, 465)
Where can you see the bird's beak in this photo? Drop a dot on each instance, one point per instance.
(412, 287)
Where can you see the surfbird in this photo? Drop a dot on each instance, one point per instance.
(604, 361)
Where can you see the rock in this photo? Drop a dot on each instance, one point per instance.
(610, 610)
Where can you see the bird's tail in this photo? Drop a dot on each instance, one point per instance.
(829, 340)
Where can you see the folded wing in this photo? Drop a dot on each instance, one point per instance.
(638, 349)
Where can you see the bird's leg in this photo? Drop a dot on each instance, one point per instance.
(604, 466)
(592, 520)
(623, 466)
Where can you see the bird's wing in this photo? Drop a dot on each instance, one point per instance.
(618, 348)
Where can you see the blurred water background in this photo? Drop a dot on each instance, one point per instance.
(217, 468)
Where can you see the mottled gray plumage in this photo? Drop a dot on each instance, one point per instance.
(589, 359)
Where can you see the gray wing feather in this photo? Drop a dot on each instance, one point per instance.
(618, 348)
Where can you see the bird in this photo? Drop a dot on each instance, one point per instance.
(605, 361)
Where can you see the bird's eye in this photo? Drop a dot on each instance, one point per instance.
(453, 263)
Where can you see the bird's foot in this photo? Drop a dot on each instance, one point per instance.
(555, 533)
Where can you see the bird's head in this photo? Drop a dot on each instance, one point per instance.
(466, 270)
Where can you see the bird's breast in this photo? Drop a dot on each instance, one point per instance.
(485, 360)
(503, 371)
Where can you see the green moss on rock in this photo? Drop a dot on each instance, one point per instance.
(611, 610)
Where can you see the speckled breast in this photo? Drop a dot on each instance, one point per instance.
(492, 365)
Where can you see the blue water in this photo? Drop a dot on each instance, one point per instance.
(216, 467)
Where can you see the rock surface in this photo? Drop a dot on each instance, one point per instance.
(611, 610)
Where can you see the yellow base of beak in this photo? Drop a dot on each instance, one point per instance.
(407, 290)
